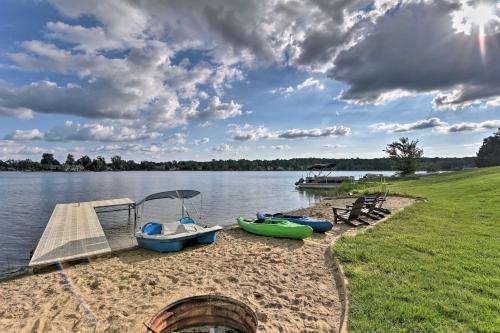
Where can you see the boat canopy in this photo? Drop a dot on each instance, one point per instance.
(320, 167)
(176, 194)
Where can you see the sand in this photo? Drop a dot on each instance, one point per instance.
(292, 285)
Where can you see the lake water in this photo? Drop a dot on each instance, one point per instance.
(28, 199)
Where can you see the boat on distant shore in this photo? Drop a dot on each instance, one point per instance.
(173, 236)
(318, 177)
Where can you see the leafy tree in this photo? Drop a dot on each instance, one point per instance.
(405, 154)
(131, 165)
(117, 163)
(99, 164)
(47, 159)
(489, 153)
(86, 162)
(70, 159)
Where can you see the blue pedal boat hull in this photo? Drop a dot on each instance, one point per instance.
(317, 225)
(175, 243)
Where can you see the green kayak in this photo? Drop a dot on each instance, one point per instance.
(275, 228)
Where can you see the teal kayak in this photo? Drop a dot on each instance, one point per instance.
(275, 228)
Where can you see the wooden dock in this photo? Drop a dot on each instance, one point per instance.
(74, 232)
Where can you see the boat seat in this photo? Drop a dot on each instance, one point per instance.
(169, 229)
(192, 227)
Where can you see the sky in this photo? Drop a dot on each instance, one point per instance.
(178, 80)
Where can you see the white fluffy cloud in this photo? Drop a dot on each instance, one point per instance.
(314, 133)
(222, 148)
(18, 135)
(176, 138)
(201, 141)
(98, 132)
(334, 146)
(153, 148)
(436, 125)
(471, 126)
(248, 132)
(219, 110)
(408, 127)
(280, 147)
(307, 83)
(10, 149)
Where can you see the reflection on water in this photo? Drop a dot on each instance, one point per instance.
(28, 200)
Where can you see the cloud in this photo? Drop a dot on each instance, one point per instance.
(85, 39)
(248, 132)
(100, 99)
(222, 148)
(10, 149)
(283, 91)
(219, 110)
(18, 135)
(153, 148)
(143, 86)
(408, 127)
(314, 133)
(307, 83)
(311, 83)
(334, 146)
(176, 138)
(280, 147)
(201, 141)
(394, 56)
(15, 111)
(437, 125)
(98, 132)
(482, 126)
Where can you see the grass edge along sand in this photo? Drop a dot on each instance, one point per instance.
(434, 267)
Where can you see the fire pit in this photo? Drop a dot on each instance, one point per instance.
(204, 314)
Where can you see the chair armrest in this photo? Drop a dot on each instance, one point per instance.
(338, 208)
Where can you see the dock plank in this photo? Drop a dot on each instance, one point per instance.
(74, 232)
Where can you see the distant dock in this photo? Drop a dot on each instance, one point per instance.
(74, 232)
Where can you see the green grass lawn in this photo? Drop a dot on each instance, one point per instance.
(434, 267)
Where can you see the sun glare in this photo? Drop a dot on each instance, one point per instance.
(481, 15)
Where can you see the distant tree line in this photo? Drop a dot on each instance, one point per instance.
(85, 163)
(404, 156)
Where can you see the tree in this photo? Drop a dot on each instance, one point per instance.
(117, 163)
(99, 164)
(405, 154)
(70, 160)
(489, 153)
(47, 159)
(85, 162)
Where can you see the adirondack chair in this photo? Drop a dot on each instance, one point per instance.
(370, 208)
(352, 215)
(378, 202)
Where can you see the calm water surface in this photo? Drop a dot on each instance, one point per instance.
(28, 199)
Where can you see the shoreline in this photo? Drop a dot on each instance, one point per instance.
(292, 285)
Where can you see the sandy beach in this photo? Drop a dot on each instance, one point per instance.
(292, 285)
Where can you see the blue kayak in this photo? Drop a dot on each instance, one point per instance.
(317, 225)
